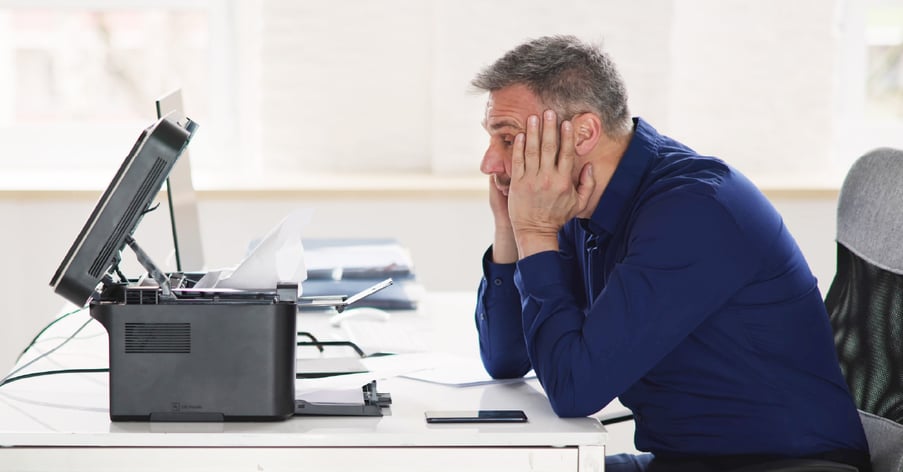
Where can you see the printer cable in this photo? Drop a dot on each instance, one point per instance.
(51, 372)
(42, 331)
(10, 377)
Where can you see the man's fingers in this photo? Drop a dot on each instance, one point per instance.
(549, 148)
(567, 152)
(531, 149)
(517, 157)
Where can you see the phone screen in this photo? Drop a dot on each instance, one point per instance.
(476, 416)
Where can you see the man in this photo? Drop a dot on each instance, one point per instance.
(624, 264)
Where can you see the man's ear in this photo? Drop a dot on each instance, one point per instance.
(587, 132)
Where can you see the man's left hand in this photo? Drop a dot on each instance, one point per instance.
(543, 193)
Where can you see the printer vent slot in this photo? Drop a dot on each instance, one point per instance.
(157, 338)
(99, 265)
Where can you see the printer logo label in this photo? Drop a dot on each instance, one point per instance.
(179, 406)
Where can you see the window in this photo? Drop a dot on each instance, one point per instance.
(870, 82)
(85, 74)
(789, 92)
(884, 62)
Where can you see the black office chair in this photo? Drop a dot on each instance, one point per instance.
(865, 300)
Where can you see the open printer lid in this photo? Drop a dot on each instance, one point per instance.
(121, 207)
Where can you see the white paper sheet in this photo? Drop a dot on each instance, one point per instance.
(279, 257)
(381, 367)
(460, 371)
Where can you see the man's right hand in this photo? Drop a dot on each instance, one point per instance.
(504, 248)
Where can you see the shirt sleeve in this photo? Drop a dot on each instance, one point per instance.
(499, 322)
(686, 256)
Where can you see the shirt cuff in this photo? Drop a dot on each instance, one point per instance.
(540, 274)
(499, 277)
(493, 270)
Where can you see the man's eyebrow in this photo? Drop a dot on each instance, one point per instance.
(497, 125)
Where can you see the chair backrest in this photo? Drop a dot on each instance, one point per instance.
(870, 209)
(865, 300)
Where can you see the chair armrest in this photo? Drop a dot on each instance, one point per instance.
(616, 419)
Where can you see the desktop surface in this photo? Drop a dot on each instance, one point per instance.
(45, 420)
(45, 414)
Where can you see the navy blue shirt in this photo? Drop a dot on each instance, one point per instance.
(686, 297)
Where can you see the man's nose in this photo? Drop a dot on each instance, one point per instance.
(493, 162)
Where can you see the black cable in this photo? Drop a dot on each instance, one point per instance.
(52, 372)
(319, 345)
(316, 342)
(19, 369)
(150, 208)
(122, 277)
(33, 341)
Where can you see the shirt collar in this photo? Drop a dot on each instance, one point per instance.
(626, 179)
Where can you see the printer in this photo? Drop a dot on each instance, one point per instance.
(179, 353)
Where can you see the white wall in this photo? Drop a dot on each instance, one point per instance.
(446, 233)
(751, 81)
(385, 86)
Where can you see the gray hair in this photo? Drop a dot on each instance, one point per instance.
(568, 75)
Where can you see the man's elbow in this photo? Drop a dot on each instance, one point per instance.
(567, 404)
(568, 409)
(506, 369)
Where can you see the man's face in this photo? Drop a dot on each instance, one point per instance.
(506, 116)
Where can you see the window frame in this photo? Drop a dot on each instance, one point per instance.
(855, 132)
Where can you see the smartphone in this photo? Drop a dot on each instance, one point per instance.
(476, 416)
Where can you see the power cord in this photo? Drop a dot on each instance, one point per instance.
(51, 372)
(33, 341)
(11, 377)
(320, 344)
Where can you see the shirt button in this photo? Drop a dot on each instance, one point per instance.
(497, 282)
(482, 316)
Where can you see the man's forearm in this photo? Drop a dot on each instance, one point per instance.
(504, 247)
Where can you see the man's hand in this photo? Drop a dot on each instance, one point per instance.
(504, 248)
(543, 194)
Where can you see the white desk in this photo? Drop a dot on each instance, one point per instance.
(62, 422)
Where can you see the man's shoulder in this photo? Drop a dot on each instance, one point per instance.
(708, 195)
(680, 171)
